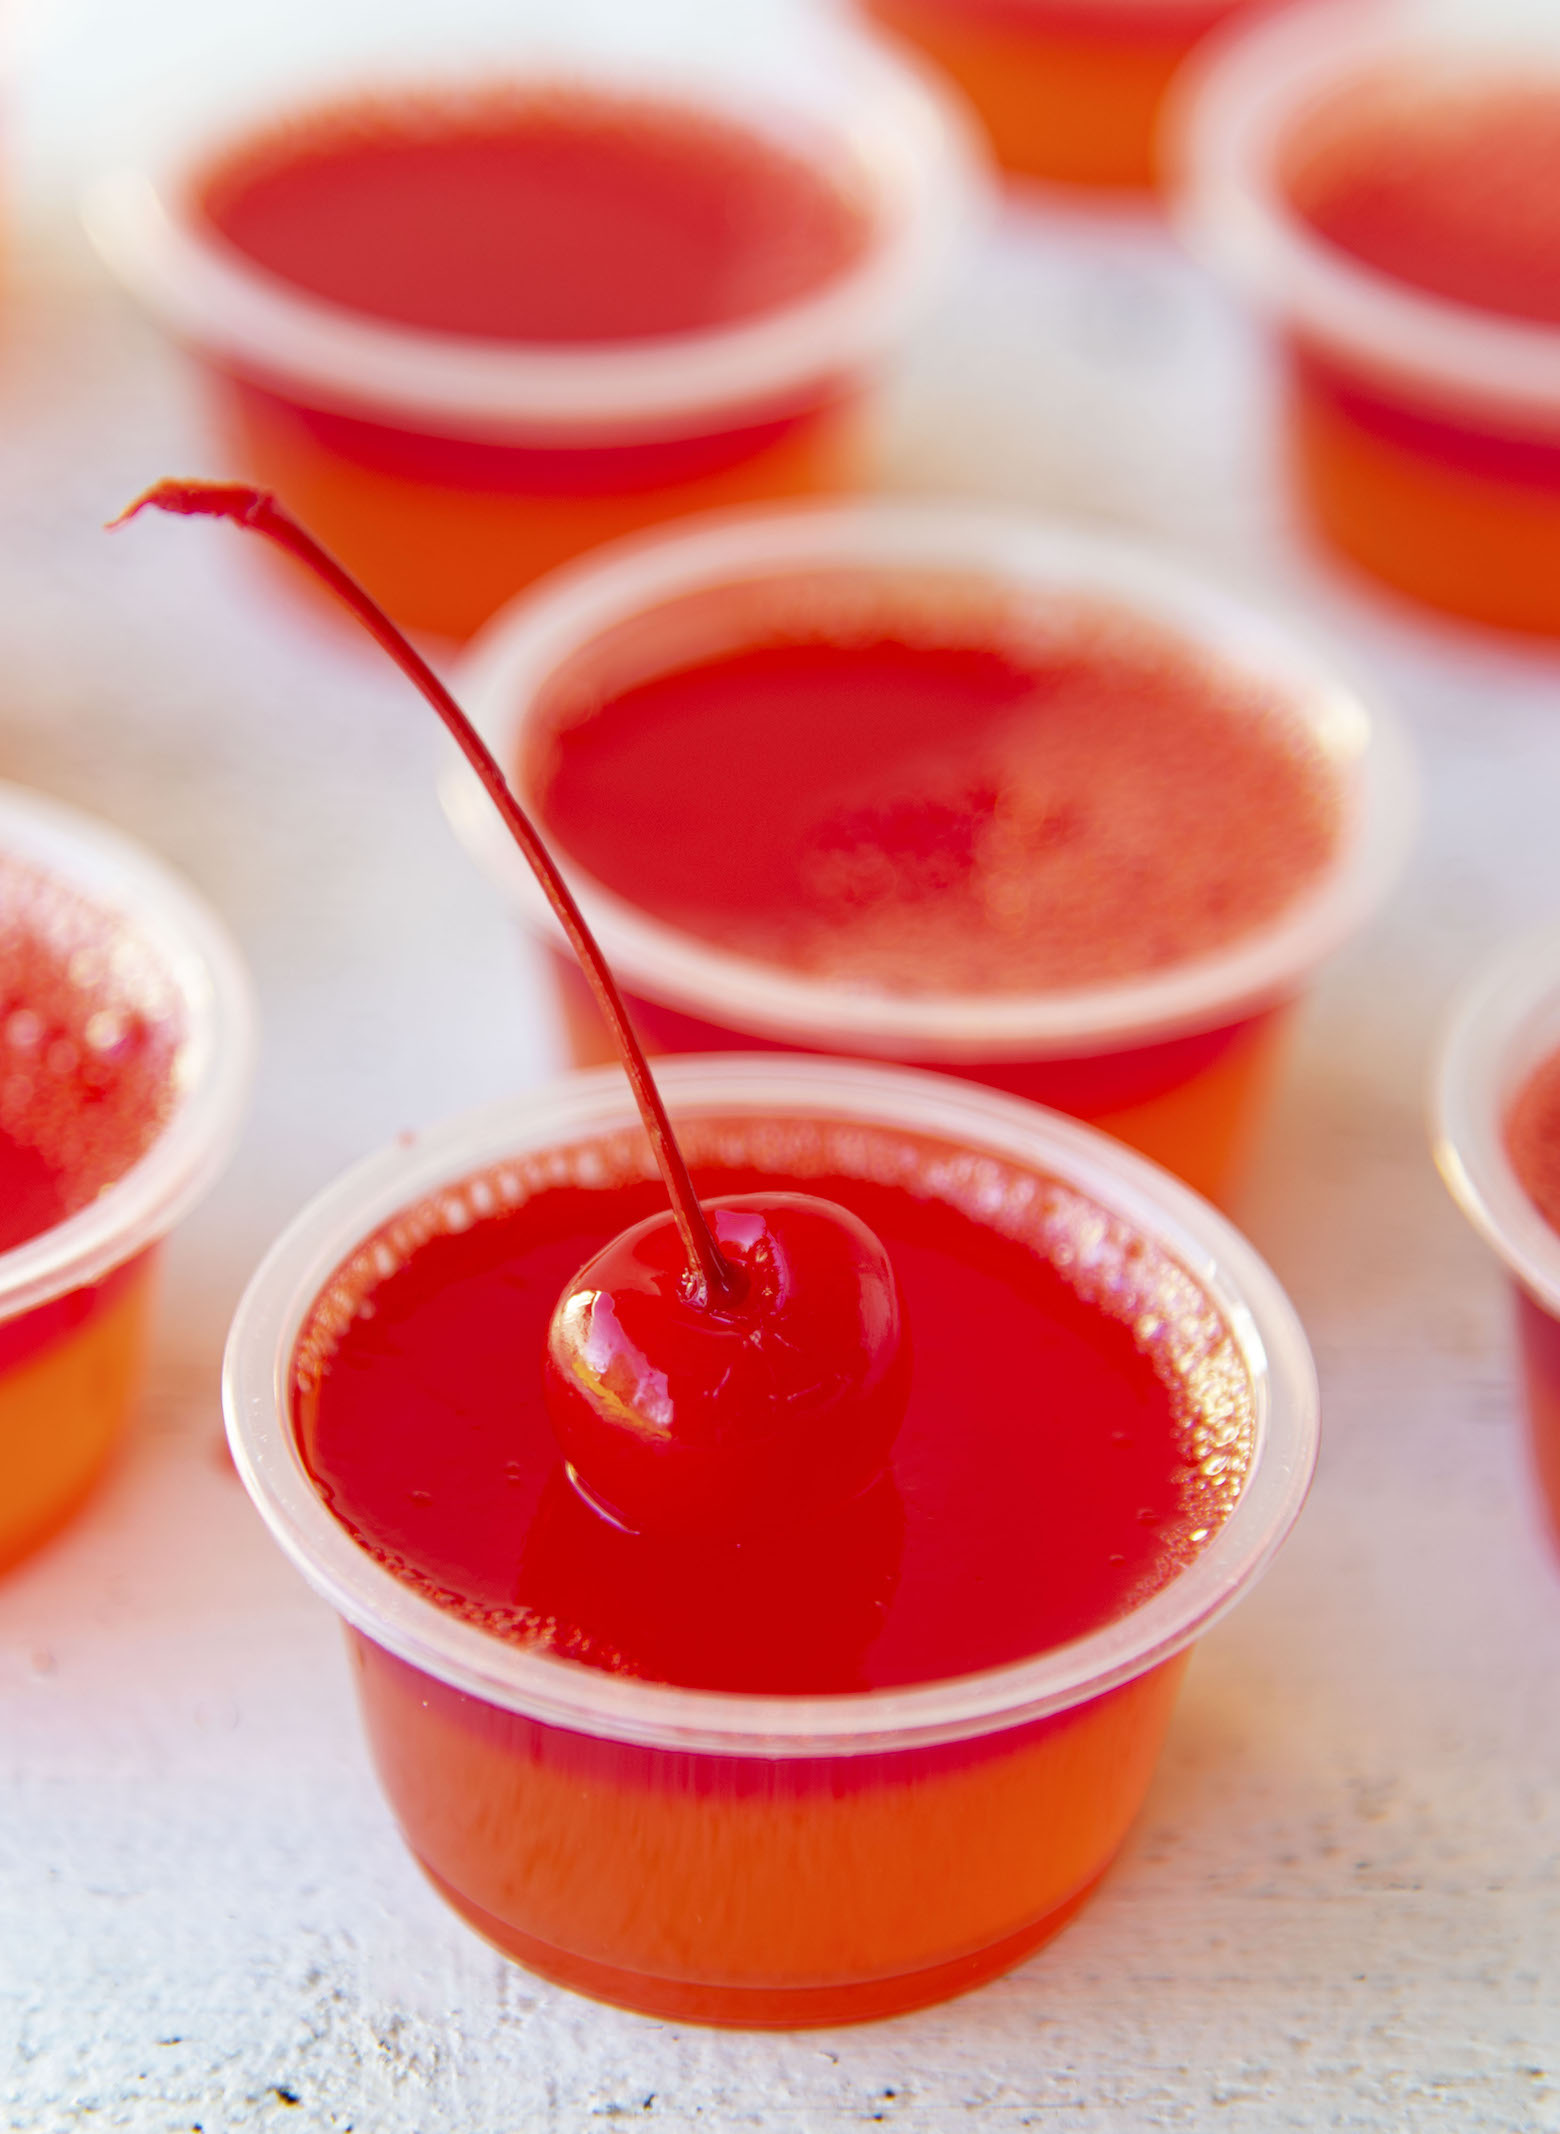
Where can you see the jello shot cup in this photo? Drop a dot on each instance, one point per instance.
(716, 1855)
(125, 1040)
(1176, 1056)
(469, 321)
(1069, 91)
(1382, 182)
(1487, 1119)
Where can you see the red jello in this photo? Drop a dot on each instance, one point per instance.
(468, 327)
(838, 1768)
(951, 814)
(421, 1423)
(1390, 191)
(955, 790)
(558, 218)
(122, 1061)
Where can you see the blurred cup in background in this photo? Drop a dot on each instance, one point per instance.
(1385, 185)
(469, 320)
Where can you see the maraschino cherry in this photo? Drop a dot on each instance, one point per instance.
(724, 1368)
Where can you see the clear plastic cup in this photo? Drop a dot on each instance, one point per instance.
(74, 1299)
(1423, 434)
(1067, 90)
(447, 471)
(1178, 1063)
(1505, 1023)
(762, 1860)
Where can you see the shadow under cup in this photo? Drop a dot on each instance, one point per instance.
(766, 1861)
(75, 1298)
(1178, 1063)
(1505, 1024)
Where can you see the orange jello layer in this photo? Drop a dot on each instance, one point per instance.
(1066, 91)
(68, 1374)
(760, 1891)
(1456, 510)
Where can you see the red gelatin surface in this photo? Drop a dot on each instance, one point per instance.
(971, 814)
(552, 217)
(1079, 1422)
(1453, 190)
(88, 1038)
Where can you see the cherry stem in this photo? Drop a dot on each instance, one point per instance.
(258, 511)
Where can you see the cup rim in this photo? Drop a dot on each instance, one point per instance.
(564, 1693)
(212, 1071)
(905, 134)
(1501, 1025)
(502, 670)
(1225, 127)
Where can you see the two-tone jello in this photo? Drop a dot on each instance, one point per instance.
(468, 325)
(124, 1045)
(839, 1768)
(1385, 185)
(958, 790)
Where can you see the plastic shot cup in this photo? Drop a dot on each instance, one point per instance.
(445, 469)
(1422, 433)
(1177, 1062)
(761, 1860)
(1504, 1025)
(1067, 90)
(74, 1298)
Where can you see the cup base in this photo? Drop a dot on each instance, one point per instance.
(764, 2007)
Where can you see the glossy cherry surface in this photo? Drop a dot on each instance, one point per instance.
(719, 1369)
(777, 1401)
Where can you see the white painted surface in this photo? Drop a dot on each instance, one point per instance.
(1341, 1908)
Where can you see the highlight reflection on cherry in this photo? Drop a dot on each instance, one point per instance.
(778, 1400)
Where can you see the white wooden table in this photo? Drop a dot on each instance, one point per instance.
(1341, 1908)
